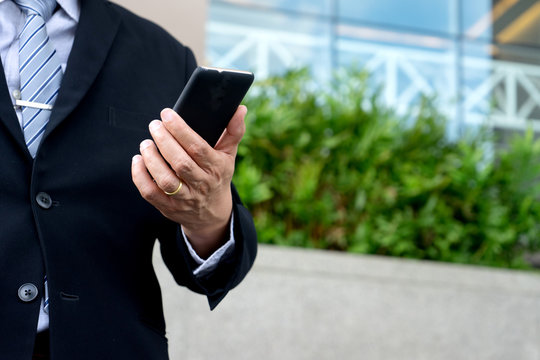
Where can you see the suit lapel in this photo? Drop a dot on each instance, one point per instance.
(97, 28)
(7, 114)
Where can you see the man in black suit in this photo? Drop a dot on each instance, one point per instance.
(73, 212)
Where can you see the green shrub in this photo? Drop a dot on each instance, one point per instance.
(334, 169)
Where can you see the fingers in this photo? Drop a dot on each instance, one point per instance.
(194, 145)
(178, 154)
(234, 132)
(171, 154)
(157, 169)
(145, 184)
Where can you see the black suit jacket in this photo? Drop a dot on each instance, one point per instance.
(95, 241)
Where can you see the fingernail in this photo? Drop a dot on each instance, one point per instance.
(154, 125)
(145, 144)
(167, 114)
(136, 159)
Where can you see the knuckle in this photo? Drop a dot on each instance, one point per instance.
(196, 207)
(203, 188)
(169, 182)
(191, 204)
(182, 166)
(222, 173)
(165, 210)
(198, 149)
(147, 193)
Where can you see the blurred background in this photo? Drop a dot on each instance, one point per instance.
(458, 49)
(401, 133)
(466, 52)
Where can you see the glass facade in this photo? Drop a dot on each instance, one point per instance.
(481, 58)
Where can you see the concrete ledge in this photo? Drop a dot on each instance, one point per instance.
(309, 304)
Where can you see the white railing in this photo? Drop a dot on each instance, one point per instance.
(501, 94)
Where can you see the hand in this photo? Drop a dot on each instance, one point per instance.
(178, 154)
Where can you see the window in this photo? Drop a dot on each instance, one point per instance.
(480, 58)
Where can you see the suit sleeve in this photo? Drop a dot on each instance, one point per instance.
(232, 269)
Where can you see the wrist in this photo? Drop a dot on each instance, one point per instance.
(209, 235)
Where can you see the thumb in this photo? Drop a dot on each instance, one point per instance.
(229, 140)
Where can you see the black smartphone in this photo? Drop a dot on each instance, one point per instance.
(210, 99)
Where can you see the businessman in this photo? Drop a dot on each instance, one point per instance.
(89, 182)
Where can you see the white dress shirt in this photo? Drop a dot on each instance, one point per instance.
(61, 30)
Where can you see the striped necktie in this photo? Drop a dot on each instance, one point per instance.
(41, 75)
(40, 71)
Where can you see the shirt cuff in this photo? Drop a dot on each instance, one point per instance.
(208, 265)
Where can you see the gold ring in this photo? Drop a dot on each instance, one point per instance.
(175, 191)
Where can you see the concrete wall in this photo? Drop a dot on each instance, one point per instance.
(184, 19)
(301, 304)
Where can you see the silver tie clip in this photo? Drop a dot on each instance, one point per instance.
(32, 104)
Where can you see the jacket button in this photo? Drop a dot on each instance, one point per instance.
(28, 292)
(44, 200)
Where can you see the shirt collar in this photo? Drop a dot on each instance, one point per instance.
(71, 7)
